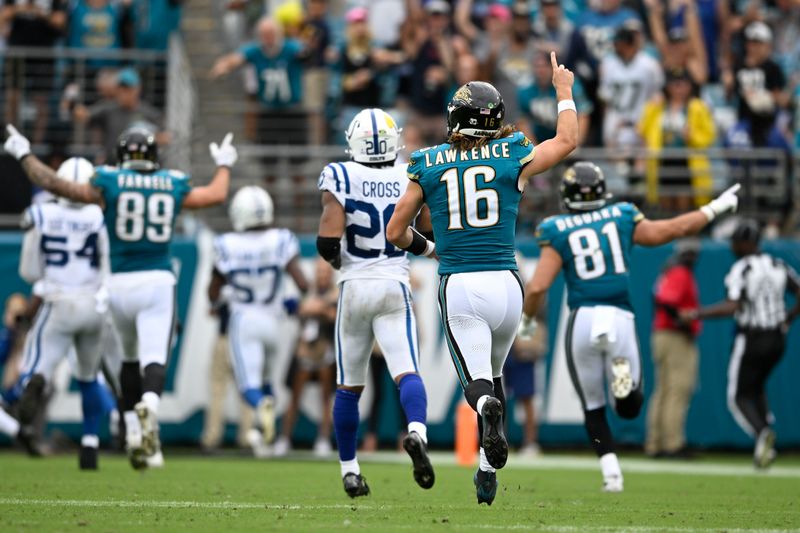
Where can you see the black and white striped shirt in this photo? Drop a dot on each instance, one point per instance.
(759, 282)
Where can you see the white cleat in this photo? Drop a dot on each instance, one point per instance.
(156, 460)
(612, 484)
(134, 440)
(261, 450)
(323, 448)
(266, 417)
(765, 453)
(622, 381)
(281, 447)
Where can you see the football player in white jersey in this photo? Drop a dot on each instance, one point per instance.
(358, 199)
(250, 264)
(65, 254)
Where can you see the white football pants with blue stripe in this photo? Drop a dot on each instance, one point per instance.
(253, 334)
(59, 325)
(595, 337)
(374, 310)
(480, 314)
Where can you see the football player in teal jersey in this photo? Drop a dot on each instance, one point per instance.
(592, 244)
(140, 202)
(473, 184)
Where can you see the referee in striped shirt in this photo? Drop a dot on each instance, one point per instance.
(756, 285)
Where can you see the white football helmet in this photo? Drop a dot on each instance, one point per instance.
(251, 207)
(373, 137)
(76, 170)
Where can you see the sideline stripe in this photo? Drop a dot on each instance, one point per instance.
(409, 329)
(277, 507)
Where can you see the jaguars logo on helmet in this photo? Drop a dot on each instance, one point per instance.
(137, 150)
(583, 187)
(476, 110)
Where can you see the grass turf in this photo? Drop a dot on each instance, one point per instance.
(230, 494)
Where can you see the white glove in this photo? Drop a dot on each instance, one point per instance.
(16, 144)
(724, 203)
(527, 327)
(224, 155)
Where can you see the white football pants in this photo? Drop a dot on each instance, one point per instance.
(253, 335)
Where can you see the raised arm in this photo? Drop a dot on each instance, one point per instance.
(45, 177)
(552, 151)
(658, 232)
(227, 64)
(216, 192)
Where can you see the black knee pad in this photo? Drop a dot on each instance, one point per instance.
(630, 406)
(154, 377)
(130, 381)
(599, 432)
(475, 389)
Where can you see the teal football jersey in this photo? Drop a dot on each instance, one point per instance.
(140, 213)
(595, 247)
(474, 199)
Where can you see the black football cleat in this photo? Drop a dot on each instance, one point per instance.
(88, 458)
(418, 451)
(30, 441)
(355, 485)
(493, 439)
(31, 399)
(485, 486)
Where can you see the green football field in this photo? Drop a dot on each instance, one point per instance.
(553, 493)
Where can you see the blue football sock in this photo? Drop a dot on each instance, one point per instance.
(345, 423)
(413, 398)
(266, 389)
(253, 397)
(108, 399)
(92, 403)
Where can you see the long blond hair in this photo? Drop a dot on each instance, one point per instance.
(460, 141)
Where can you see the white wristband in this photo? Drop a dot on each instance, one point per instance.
(430, 247)
(565, 105)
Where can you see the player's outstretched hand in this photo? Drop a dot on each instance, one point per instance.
(527, 327)
(727, 202)
(16, 144)
(224, 154)
(562, 76)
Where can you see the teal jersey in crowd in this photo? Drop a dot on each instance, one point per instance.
(474, 198)
(140, 213)
(280, 77)
(95, 28)
(595, 247)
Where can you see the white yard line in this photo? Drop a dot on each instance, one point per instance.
(643, 466)
(179, 504)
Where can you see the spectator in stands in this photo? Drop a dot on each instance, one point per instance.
(714, 17)
(316, 34)
(361, 63)
(94, 25)
(427, 45)
(278, 63)
(785, 20)
(674, 353)
(154, 21)
(220, 378)
(682, 47)
(556, 32)
(538, 103)
(628, 79)
(759, 85)
(467, 69)
(676, 119)
(108, 119)
(32, 24)
(599, 24)
(314, 361)
(504, 50)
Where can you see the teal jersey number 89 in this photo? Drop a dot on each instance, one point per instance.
(140, 212)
